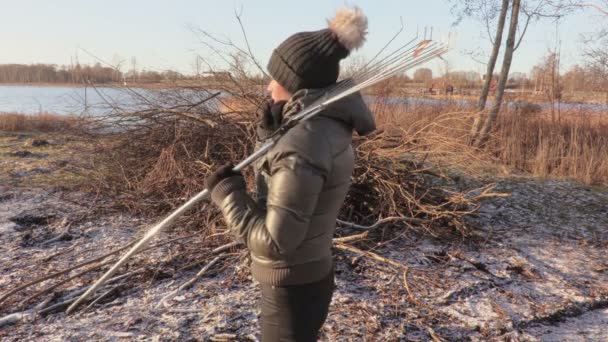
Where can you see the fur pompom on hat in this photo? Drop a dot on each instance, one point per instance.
(309, 60)
(350, 27)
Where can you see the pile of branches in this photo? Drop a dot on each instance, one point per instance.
(389, 188)
(152, 160)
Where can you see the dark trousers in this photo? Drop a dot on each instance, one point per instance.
(295, 312)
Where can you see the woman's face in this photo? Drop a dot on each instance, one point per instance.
(277, 92)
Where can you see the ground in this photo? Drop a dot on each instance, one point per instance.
(534, 271)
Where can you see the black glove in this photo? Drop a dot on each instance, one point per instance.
(270, 115)
(220, 174)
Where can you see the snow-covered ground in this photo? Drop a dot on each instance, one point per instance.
(536, 270)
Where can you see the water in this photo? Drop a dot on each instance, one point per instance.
(60, 100)
(75, 100)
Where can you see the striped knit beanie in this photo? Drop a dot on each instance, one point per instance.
(308, 60)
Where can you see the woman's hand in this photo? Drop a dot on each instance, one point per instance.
(219, 175)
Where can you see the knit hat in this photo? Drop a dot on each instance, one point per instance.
(312, 59)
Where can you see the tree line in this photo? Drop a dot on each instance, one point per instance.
(97, 73)
(543, 77)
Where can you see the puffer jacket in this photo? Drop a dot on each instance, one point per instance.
(308, 173)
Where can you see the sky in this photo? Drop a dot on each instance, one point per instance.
(160, 34)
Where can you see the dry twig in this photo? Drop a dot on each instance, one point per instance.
(377, 257)
(189, 282)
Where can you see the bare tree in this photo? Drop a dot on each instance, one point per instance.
(600, 6)
(596, 52)
(483, 97)
(134, 74)
(487, 11)
(479, 137)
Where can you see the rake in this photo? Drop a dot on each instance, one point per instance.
(413, 53)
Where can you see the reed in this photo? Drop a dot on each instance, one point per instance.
(41, 122)
(572, 145)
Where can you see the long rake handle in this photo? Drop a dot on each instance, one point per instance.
(166, 222)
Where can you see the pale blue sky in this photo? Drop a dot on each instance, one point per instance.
(157, 32)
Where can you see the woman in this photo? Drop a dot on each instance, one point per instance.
(302, 181)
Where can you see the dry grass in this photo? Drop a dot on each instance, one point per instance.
(63, 163)
(434, 133)
(42, 122)
(575, 146)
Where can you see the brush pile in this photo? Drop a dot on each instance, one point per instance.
(161, 158)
